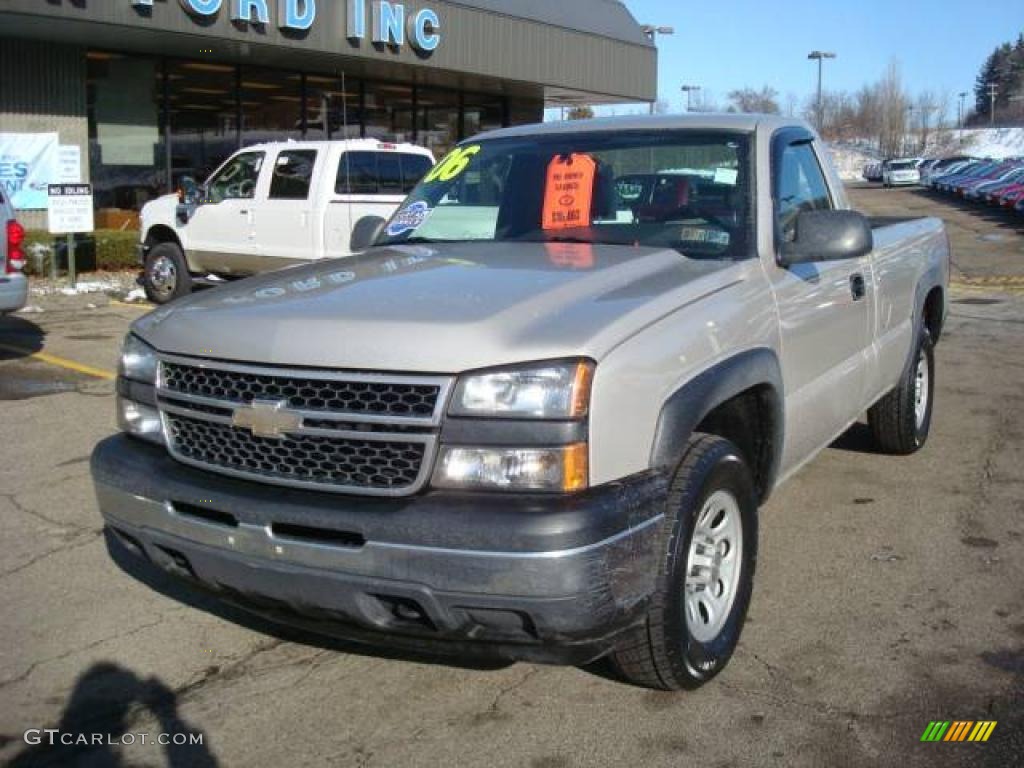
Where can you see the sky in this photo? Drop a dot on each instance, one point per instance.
(727, 44)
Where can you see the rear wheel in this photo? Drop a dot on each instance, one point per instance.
(165, 274)
(706, 574)
(901, 421)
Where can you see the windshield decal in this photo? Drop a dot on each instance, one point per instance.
(569, 192)
(409, 219)
(453, 165)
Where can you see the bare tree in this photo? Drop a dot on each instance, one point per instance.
(892, 105)
(583, 112)
(764, 101)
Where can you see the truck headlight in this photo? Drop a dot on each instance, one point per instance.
(137, 414)
(559, 390)
(139, 420)
(557, 470)
(138, 360)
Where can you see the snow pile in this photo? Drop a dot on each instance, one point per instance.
(849, 159)
(996, 143)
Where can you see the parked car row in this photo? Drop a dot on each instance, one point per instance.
(995, 182)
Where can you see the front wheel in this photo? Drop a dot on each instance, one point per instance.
(706, 575)
(165, 273)
(901, 421)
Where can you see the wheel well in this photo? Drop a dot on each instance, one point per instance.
(161, 234)
(933, 309)
(748, 420)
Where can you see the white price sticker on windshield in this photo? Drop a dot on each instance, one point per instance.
(726, 176)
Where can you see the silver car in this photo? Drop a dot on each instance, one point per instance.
(13, 283)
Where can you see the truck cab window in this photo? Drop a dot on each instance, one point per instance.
(802, 186)
(380, 173)
(236, 180)
(293, 174)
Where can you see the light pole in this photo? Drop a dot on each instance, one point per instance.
(910, 127)
(960, 114)
(652, 33)
(688, 90)
(993, 89)
(820, 56)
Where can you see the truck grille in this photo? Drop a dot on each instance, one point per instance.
(381, 398)
(355, 464)
(360, 433)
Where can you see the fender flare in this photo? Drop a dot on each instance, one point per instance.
(684, 410)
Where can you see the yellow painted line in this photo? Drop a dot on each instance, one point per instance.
(131, 305)
(62, 362)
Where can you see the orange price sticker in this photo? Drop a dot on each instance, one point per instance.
(569, 194)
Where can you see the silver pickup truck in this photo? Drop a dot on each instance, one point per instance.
(537, 418)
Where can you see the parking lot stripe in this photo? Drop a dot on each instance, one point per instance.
(136, 305)
(71, 365)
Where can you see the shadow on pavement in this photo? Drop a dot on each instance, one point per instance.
(990, 213)
(317, 634)
(102, 706)
(19, 337)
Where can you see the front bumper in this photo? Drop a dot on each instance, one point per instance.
(541, 578)
(13, 292)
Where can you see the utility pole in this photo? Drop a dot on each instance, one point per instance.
(992, 90)
(960, 114)
(820, 56)
(652, 33)
(688, 90)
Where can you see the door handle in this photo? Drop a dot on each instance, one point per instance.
(243, 213)
(858, 287)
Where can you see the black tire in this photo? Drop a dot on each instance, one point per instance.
(165, 274)
(663, 653)
(893, 419)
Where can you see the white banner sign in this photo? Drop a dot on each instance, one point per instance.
(70, 209)
(29, 162)
(69, 164)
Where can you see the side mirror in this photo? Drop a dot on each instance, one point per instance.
(365, 233)
(828, 236)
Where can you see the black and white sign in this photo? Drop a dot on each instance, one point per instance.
(70, 209)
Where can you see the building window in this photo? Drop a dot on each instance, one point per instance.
(389, 112)
(202, 104)
(271, 105)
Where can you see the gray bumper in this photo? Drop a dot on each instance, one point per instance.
(13, 292)
(562, 602)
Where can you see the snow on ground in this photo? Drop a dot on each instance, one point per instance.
(849, 159)
(994, 142)
(111, 283)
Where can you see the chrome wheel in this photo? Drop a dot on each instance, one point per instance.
(163, 276)
(713, 566)
(921, 387)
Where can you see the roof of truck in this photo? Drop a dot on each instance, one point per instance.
(701, 121)
(350, 144)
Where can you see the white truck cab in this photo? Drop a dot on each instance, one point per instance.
(273, 205)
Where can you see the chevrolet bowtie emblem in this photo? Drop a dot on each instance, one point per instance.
(267, 418)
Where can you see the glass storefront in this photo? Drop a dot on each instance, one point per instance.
(153, 121)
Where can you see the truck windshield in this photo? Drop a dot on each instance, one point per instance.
(676, 189)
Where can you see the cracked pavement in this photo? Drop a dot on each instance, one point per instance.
(890, 592)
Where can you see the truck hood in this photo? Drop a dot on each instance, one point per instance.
(438, 309)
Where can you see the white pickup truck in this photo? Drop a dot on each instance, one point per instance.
(271, 206)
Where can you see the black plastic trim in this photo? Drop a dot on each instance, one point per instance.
(137, 391)
(685, 409)
(488, 432)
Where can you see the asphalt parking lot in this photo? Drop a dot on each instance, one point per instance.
(890, 593)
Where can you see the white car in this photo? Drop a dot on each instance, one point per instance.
(901, 173)
(271, 206)
(13, 283)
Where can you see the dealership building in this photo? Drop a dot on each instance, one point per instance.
(150, 91)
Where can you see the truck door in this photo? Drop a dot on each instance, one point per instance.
(824, 308)
(285, 212)
(221, 234)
